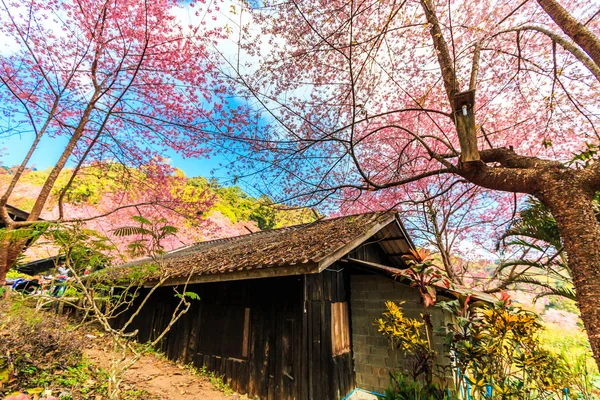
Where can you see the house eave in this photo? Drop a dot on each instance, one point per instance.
(347, 248)
(271, 272)
(394, 273)
(315, 267)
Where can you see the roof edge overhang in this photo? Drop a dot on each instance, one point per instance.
(348, 247)
(270, 272)
(404, 232)
(392, 272)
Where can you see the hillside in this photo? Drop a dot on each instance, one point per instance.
(200, 208)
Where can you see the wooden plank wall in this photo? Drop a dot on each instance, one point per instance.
(340, 330)
(273, 368)
(329, 376)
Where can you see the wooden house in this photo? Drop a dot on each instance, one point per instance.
(15, 214)
(37, 266)
(288, 313)
(41, 266)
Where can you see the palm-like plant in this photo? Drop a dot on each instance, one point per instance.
(150, 236)
(542, 262)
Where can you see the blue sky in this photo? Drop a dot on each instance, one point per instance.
(14, 149)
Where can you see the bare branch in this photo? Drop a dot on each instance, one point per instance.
(573, 29)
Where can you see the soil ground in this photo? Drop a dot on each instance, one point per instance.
(153, 377)
(162, 379)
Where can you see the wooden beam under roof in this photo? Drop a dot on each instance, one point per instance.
(395, 254)
(390, 239)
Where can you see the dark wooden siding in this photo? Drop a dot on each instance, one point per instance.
(272, 369)
(329, 376)
(290, 348)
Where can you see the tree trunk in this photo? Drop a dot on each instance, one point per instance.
(571, 205)
(9, 251)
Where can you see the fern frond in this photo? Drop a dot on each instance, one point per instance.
(141, 220)
(561, 292)
(130, 230)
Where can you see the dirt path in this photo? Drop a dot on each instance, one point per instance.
(162, 379)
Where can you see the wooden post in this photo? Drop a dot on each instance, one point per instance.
(464, 115)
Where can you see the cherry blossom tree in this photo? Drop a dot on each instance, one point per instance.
(370, 95)
(120, 81)
(460, 225)
(183, 206)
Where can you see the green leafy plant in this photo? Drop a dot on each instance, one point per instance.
(583, 378)
(499, 345)
(14, 274)
(151, 235)
(402, 389)
(40, 351)
(115, 305)
(409, 336)
(587, 156)
(425, 276)
(190, 295)
(543, 262)
(82, 248)
(215, 379)
(30, 233)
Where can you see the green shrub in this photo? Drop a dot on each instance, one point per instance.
(39, 350)
(402, 388)
(499, 345)
(14, 274)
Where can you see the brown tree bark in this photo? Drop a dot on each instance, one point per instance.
(570, 201)
(9, 251)
(60, 164)
(568, 193)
